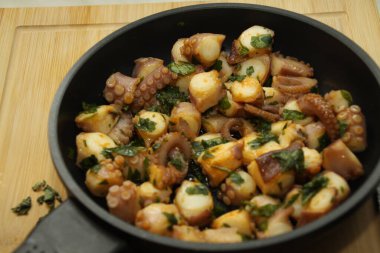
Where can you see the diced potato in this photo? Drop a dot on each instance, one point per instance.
(206, 90)
(213, 124)
(250, 154)
(238, 187)
(278, 224)
(151, 125)
(339, 183)
(339, 100)
(89, 144)
(257, 67)
(177, 56)
(206, 47)
(159, 218)
(98, 182)
(102, 120)
(188, 233)
(312, 161)
(287, 132)
(272, 96)
(222, 235)
(219, 160)
(226, 69)
(150, 194)
(314, 134)
(277, 186)
(239, 219)
(246, 91)
(186, 119)
(229, 107)
(257, 33)
(207, 136)
(292, 105)
(293, 198)
(195, 203)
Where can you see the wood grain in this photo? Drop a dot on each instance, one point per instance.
(39, 45)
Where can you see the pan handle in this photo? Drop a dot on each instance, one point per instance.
(72, 228)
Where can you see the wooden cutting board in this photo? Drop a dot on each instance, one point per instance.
(39, 45)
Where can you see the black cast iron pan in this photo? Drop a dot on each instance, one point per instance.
(82, 223)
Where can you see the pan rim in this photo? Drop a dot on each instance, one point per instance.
(353, 201)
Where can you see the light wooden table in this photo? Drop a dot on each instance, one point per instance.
(39, 45)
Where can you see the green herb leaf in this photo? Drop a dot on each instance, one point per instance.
(249, 71)
(292, 115)
(224, 169)
(218, 65)
(89, 108)
(199, 147)
(265, 211)
(262, 225)
(342, 127)
(23, 207)
(238, 78)
(88, 162)
(49, 197)
(95, 169)
(207, 155)
(195, 173)
(125, 108)
(243, 51)
(146, 125)
(292, 200)
(261, 41)
(131, 149)
(311, 188)
(323, 141)
(236, 178)
(171, 219)
(199, 189)
(262, 139)
(177, 161)
(290, 159)
(181, 68)
(347, 96)
(39, 186)
(135, 176)
(224, 103)
(169, 97)
(261, 125)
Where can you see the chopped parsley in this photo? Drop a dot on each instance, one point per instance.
(342, 127)
(195, 173)
(131, 149)
(23, 207)
(262, 139)
(265, 211)
(207, 155)
(146, 125)
(292, 200)
(39, 186)
(49, 197)
(323, 141)
(347, 96)
(218, 65)
(199, 147)
(171, 219)
(236, 178)
(261, 41)
(262, 225)
(125, 108)
(249, 71)
(261, 125)
(292, 115)
(290, 159)
(243, 51)
(199, 189)
(135, 176)
(181, 68)
(89, 108)
(177, 161)
(311, 188)
(88, 162)
(169, 97)
(238, 78)
(156, 146)
(95, 169)
(224, 103)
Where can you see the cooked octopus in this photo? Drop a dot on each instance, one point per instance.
(221, 146)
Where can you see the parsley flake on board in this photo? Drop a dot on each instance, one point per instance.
(49, 197)
(290, 159)
(23, 207)
(39, 186)
(261, 41)
(181, 68)
(262, 139)
(292, 115)
(146, 124)
(199, 189)
(89, 108)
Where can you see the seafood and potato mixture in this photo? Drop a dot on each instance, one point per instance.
(219, 146)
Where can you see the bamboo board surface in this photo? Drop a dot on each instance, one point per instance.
(38, 47)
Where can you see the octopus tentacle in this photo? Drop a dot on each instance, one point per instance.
(120, 88)
(293, 85)
(145, 66)
(268, 116)
(169, 142)
(233, 124)
(123, 130)
(289, 66)
(355, 136)
(146, 90)
(314, 104)
(123, 201)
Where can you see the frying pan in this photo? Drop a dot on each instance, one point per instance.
(82, 223)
